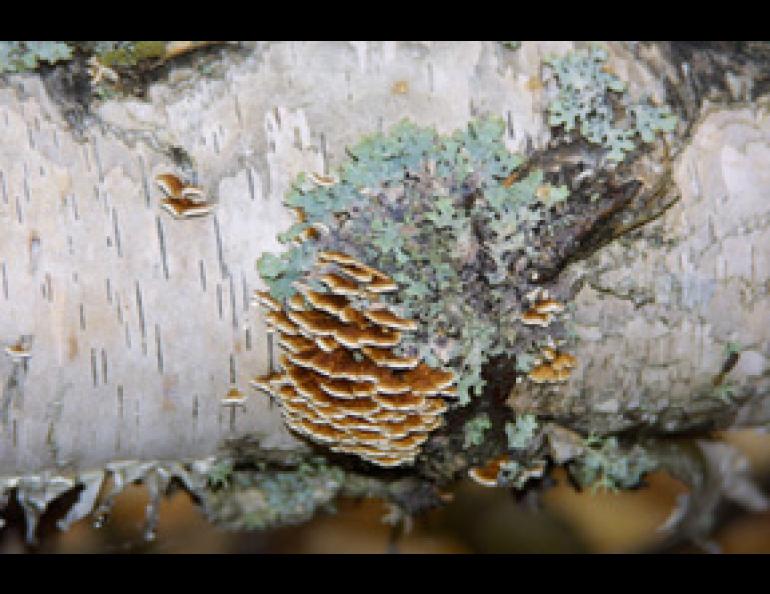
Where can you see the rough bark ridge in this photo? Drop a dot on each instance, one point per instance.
(137, 324)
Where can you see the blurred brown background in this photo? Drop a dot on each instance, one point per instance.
(477, 520)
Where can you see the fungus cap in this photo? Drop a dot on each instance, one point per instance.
(326, 343)
(296, 302)
(295, 344)
(329, 302)
(184, 208)
(542, 374)
(339, 284)
(563, 361)
(280, 321)
(382, 284)
(234, 397)
(386, 358)
(265, 299)
(171, 185)
(18, 351)
(193, 193)
(329, 256)
(548, 306)
(486, 475)
(267, 383)
(385, 317)
(535, 318)
(357, 273)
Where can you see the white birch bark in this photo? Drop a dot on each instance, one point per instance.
(138, 323)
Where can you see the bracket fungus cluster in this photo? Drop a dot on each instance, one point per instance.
(182, 201)
(342, 384)
(542, 310)
(554, 367)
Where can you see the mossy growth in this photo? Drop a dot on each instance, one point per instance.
(448, 218)
(264, 497)
(22, 56)
(606, 464)
(725, 392)
(589, 97)
(128, 53)
(220, 474)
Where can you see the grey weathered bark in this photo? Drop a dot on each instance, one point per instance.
(138, 324)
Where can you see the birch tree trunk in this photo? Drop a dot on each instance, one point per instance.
(137, 324)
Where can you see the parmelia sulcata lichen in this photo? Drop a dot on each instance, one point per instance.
(587, 97)
(450, 219)
(458, 223)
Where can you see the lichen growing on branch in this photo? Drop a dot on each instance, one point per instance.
(589, 97)
(452, 219)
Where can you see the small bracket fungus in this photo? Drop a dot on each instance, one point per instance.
(234, 397)
(20, 350)
(486, 475)
(182, 201)
(543, 309)
(556, 368)
(400, 87)
(503, 471)
(342, 385)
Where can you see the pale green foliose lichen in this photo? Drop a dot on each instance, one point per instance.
(220, 474)
(267, 498)
(608, 466)
(474, 430)
(588, 98)
(521, 433)
(21, 56)
(447, 219)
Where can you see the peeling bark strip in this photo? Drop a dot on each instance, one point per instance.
(664, 257)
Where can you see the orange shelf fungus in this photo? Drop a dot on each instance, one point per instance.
(542, 310)
(184, 208)
(182, 201)
(486, 475)
(173, 187)
(342, 385)
(264, 299)
(556, 368)
(548, 306)
(340, 285)
(234, 397)
(18, 351)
